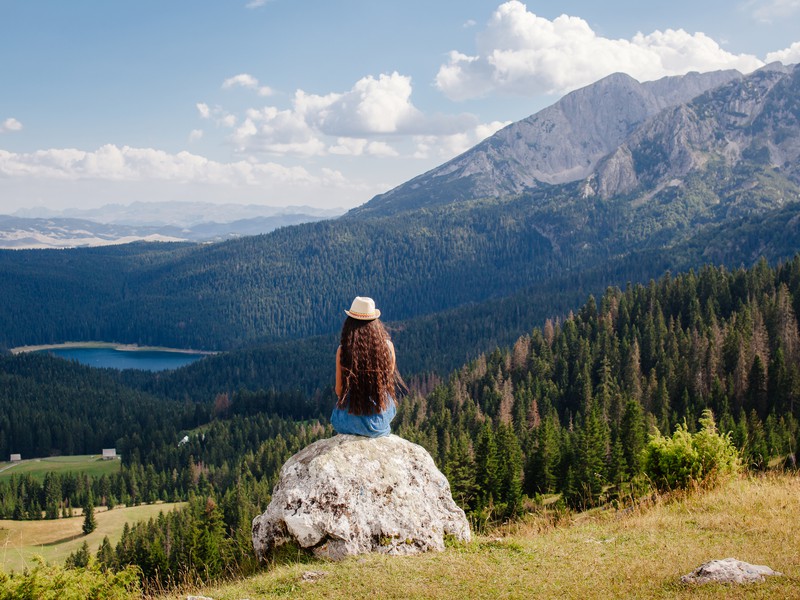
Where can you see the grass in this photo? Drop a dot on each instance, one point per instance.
(56, 539)
(91, 464)
(603, 554)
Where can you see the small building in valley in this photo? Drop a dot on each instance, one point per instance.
(15, 458)
(109, 453)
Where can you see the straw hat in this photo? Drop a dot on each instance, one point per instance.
(363, 309)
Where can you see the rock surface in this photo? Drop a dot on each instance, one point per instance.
(728, 570)
(349, 495)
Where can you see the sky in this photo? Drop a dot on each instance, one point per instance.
(323, 103)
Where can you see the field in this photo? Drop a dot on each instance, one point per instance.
(91, 464)
(602, 554)
(56, 539)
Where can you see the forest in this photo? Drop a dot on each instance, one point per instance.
(564, 412)
(232, 295)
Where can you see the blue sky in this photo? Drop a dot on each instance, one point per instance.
(326, 103)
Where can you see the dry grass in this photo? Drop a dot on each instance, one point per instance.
(54, 540)
(639, 554)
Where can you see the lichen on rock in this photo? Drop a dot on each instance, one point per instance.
(349, 495)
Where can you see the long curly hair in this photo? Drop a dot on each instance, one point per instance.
(369, 377)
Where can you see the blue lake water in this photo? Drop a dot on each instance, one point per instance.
(121, 359)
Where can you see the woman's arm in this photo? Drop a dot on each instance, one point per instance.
(391, 351)
(338, 387)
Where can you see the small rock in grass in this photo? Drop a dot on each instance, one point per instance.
(728, 570)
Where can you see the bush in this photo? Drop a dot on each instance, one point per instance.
(49, 582)
(706, 457)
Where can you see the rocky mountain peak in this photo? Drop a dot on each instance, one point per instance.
(562, 143)
(753, 120)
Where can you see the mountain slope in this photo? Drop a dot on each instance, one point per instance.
(559, 144)
(753, 123)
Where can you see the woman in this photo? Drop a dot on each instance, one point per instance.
(366, 378)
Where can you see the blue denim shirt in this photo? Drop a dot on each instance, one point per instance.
(376, 425)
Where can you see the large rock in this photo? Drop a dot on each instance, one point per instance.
(350, 495)
(728, 570)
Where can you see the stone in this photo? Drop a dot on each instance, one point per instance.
(728, 570)
(350, 495)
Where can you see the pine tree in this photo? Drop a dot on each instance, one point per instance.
(510, 469)
(486, 463)
(633, 436)
(89, 522)
(78, 559)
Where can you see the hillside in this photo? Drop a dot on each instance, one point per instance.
(608, 554)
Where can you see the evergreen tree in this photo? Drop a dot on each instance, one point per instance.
(78, 559)
(487, 474)
(89, 522)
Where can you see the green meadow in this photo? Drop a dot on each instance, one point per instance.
(91, 464)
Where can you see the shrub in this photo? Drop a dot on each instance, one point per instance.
(49, 582)
(684, 459)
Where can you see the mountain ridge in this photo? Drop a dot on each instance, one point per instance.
(559, 144)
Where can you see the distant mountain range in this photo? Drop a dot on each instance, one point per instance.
(148, 221)
(616, 182)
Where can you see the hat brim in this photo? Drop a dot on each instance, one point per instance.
(364, 316)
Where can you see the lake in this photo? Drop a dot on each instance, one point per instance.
(147, 360)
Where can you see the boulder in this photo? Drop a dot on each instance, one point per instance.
(349, 495)
(728, 570)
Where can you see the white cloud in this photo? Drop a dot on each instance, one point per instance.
(357, 119)
(255, 3)
(381, 105)
(445, 147)
(359, 146)
(487, 129)
(195, 135)
(277, 132)
(9, 125)
(113, 163)
(381, 149)
(787, 56)
(221, 117)
(349, 146)
(522, 53)
(204, 110)
(247, 81)
(65, 177)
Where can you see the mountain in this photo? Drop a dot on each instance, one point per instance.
(695, 181)
(559, 144)
(148, 222)
(177, 213)
(754, 121)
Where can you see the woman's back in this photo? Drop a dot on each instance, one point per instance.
(365, 374)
